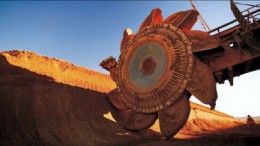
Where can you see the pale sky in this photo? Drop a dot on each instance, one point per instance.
(86, 32)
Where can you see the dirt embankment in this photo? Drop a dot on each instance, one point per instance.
(46, 101)
(61, 71)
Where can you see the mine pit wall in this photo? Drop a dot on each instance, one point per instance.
(61, 71)
(36, 110)
(203, 122)
(41, 106)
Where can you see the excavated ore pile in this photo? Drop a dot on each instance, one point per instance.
(46, 101)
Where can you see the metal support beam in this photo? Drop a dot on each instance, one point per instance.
(230, 76)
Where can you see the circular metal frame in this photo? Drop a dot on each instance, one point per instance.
(171, 84)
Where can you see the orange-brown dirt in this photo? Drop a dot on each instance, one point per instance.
(46, 101)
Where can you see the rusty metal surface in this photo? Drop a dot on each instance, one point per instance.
(173, 118)
(240, 18)
(155, 17)
(201, 40)
(110, 64)
(183, 19)
(172, 54)
(240, 45)
(138, 121)
(127, 36)
(165, 62)
(116, 100)
(202, 84)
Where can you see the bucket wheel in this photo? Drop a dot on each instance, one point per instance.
(157, 72)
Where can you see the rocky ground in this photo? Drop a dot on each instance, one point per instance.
(46, 101)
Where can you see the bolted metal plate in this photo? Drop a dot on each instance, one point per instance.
(154, 68)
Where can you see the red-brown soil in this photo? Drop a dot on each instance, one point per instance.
(46, 101)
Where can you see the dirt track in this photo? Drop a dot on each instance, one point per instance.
(38, 107)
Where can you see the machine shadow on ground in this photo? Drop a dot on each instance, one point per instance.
(36, 110)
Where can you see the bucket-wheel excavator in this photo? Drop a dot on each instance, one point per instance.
(166, 62)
